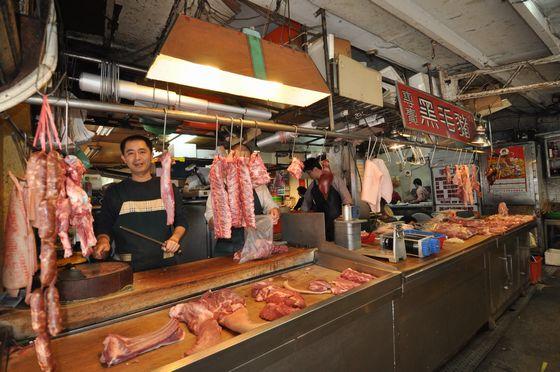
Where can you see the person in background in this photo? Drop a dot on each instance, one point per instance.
(420, 192)
(396, 197)
(301, 191)
(263, 204)
(314, 200)
(136, 203)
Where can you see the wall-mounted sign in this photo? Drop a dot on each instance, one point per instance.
(426, 113)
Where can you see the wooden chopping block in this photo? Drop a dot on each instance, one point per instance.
(93, 280)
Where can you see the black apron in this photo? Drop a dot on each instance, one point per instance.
(331, 207)
(141, 253)
(225, 247)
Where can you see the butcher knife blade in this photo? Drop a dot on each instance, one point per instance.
(140, 235)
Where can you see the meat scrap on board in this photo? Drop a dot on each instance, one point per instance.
(347, 280)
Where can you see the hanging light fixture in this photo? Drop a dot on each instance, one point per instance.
(207, 56)
(480, 139)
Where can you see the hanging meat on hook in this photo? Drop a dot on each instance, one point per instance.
(220, 201)
(258, 171)
(52, 200)
(296, 168)
(166, 188)
(20, 257)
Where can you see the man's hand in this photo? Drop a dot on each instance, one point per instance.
(171, 245)
(275, 215)
(102, 248)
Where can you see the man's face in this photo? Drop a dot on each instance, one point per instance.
(315, 173)
(137, 156)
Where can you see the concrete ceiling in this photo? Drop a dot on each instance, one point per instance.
(456, 35)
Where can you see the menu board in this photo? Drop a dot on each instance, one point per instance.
(511, 176)
(446, 192)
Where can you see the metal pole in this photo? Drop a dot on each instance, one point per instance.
(226, 121)
(188, 116)
(98, 60)
(510, 90)
(328, 75)
(511, 66)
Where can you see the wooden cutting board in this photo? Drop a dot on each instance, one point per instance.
(93, 280)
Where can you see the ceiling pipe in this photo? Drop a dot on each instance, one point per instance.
(44, 71)
(136, 92)
(99, 60)
(215, 119)
(285, 136)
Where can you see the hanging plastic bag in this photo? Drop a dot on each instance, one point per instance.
(258, 241)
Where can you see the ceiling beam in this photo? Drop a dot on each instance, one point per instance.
(508, 67)
(510, 90)
(531, 13)
(414, 15)
(302, 11)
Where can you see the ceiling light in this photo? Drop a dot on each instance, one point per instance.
(206, 56)
(104, 131)
(91, 151)
(480, 139)
(396, 146)
(181, 138)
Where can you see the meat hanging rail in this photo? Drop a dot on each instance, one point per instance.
(220, 120)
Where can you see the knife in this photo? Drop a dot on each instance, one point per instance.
(140, 235)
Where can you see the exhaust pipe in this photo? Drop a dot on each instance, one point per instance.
(135, 92)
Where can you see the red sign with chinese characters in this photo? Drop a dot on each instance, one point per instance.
(426, 113)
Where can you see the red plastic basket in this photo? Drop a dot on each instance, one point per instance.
(369, 239)
(535, 269)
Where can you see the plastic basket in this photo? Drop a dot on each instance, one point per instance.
(535, 269)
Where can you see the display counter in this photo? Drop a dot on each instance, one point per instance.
(414, 316)
(449, 296)
(153, 288)
(332, 332)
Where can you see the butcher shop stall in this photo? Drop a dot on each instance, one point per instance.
(253, 185)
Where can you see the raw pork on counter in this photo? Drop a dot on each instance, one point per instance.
(279, 301)
(118, 349)
(205, 315)
(347, 280)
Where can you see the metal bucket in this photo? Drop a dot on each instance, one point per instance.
(347, 234)
(347, 212)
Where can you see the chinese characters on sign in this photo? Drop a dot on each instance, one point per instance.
(423, 112)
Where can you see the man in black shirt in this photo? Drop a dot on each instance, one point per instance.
(136, 203)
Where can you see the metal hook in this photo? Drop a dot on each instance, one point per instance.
(66, 123)
(368, 147)
(433, 155)
(230, 133)
(217, 128)
(324, 142)
(164, 128)
(373, 148)
(241, 132)
(294, 144)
